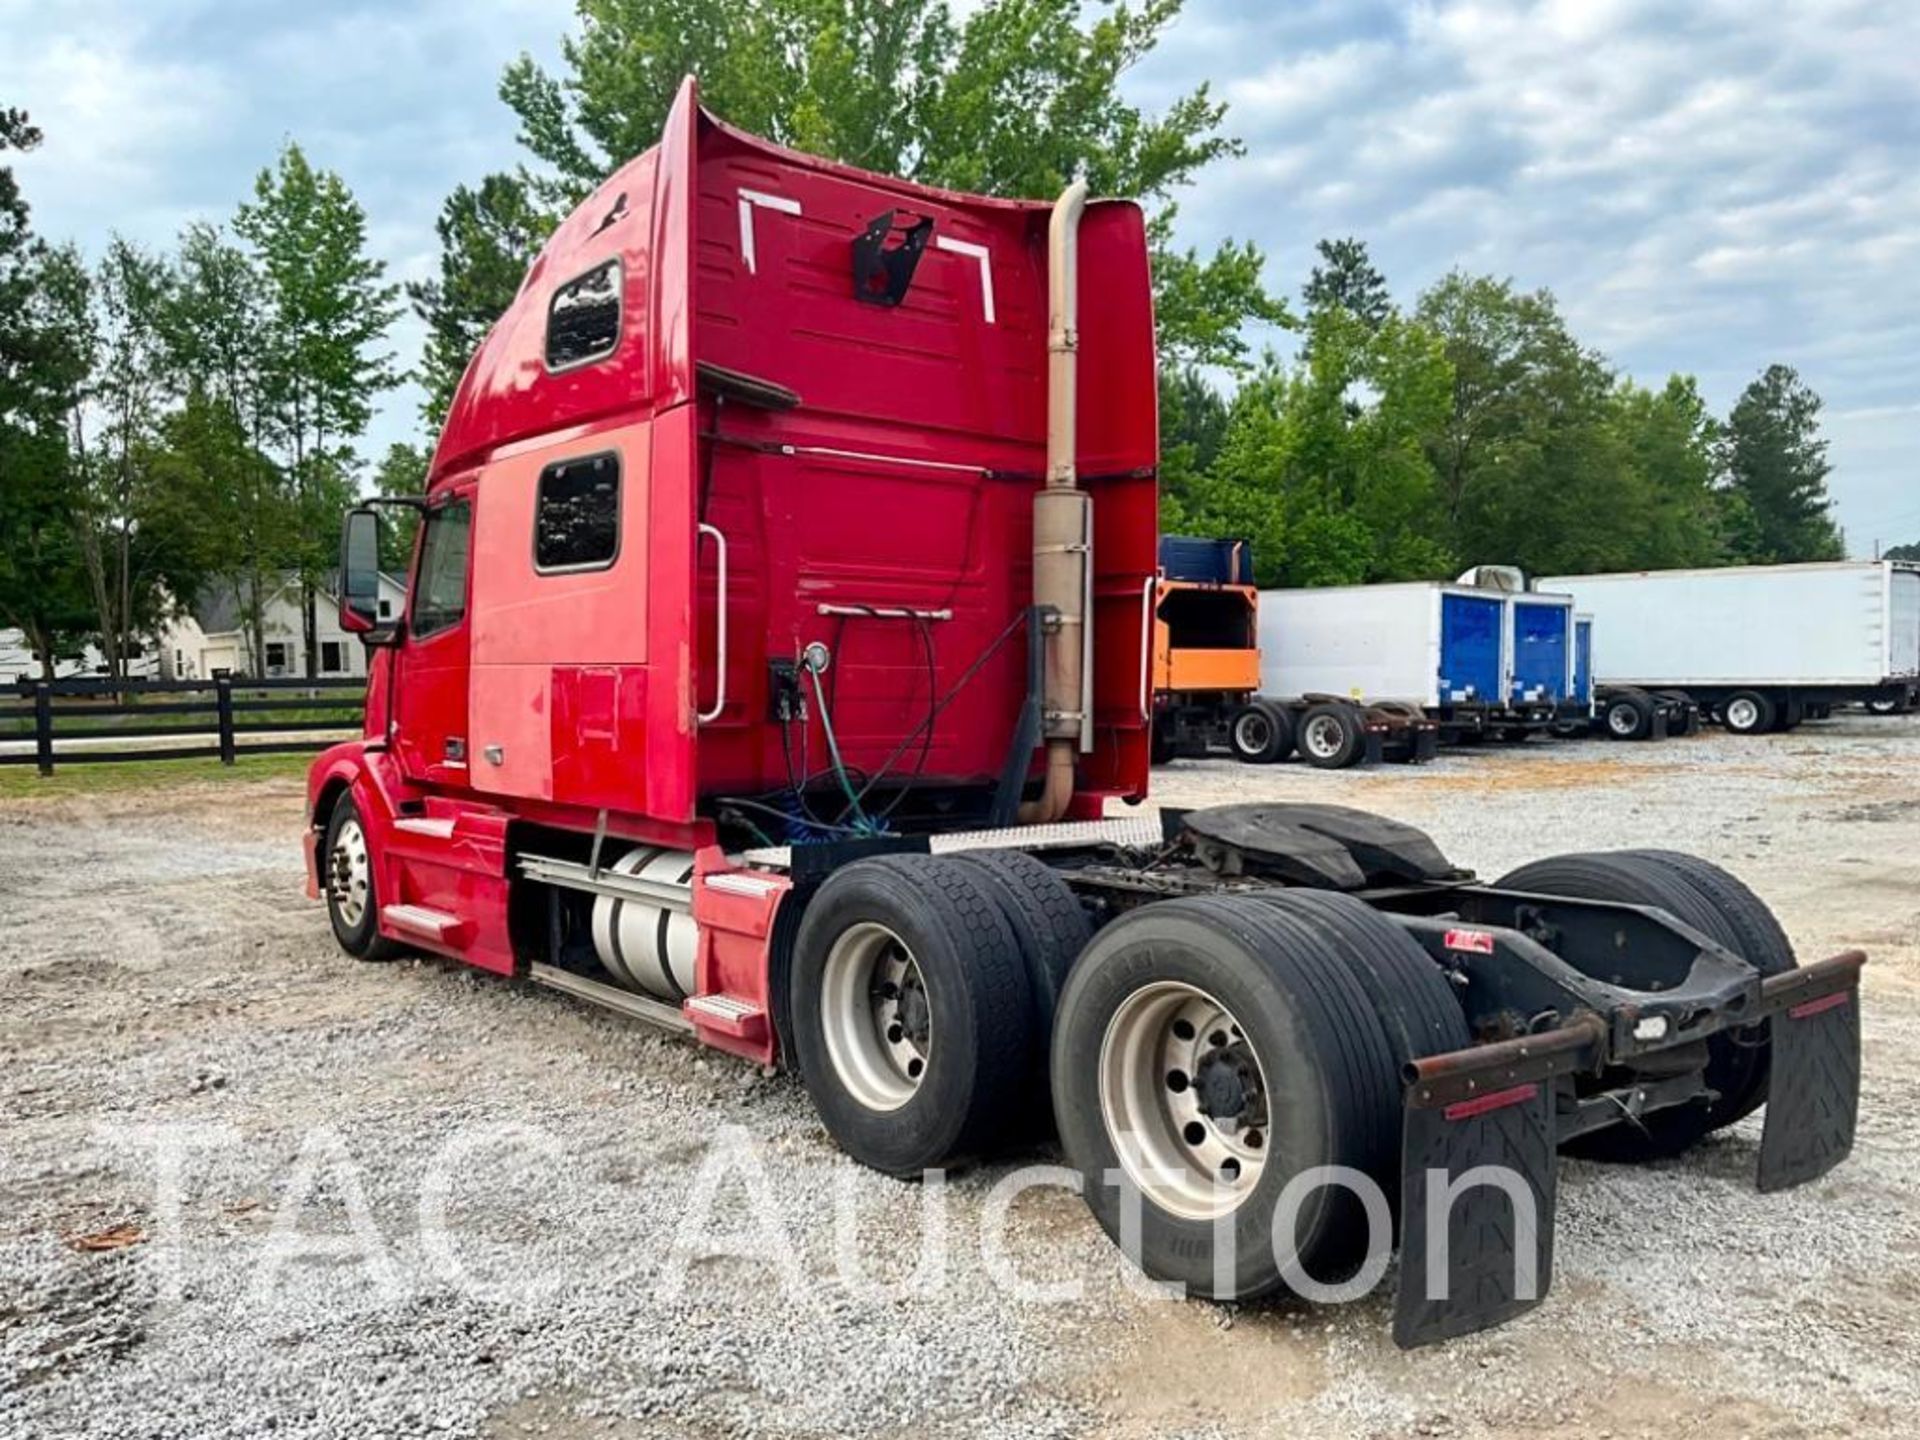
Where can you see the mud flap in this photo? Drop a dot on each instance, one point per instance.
(1813, 1095)
(1479, 1179)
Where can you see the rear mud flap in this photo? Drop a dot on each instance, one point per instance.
(1477, 1196)
(1813, 1093)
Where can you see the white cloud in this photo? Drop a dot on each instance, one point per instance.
(1708, 187)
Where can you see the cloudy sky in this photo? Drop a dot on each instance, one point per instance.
(1709, 186)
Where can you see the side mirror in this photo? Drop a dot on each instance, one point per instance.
(360, 572)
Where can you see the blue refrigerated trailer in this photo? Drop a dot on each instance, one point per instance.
(1540, 658)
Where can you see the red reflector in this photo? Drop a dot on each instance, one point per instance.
(1477, 941)
(1498, 1100)
(1807, 1008)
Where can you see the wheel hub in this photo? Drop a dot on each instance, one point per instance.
(876, 1016)
(349, 873)
(1183, 1098)
(1228, 1085)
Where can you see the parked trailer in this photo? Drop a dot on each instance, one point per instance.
(1442, 649)
(1906, 621)
(1619, 712)
(1759, 647)
(751, 479)
(1206, 676)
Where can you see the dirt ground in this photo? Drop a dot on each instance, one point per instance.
(161, 976)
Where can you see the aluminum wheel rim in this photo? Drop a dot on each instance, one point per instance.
(1252, 733)
(1743, 715)
(349, 873)
(1622, 720)
(1323, 736)
(877, 1016)
(1172, 1060)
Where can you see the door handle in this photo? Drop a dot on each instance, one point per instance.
(720, 624)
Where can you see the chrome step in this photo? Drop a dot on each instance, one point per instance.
(419, 920)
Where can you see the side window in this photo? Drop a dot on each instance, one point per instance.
(576, 516)
(583, 319)
(440, 595)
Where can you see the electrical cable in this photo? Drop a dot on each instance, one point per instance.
(926, 738)
(861, 823)
(993, 646)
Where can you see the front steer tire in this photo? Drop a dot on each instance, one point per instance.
(964, 1010)
(349, 882)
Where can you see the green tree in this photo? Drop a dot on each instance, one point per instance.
(43, 579)
(1328, 456)
(1014, 99)
(1777, 468)
(130, 292)
(402, 471)
(1193, 426)
(1345, 279)
(1903, 552)
(488, 235)
(329, 308)
(1671, 440)
(227, 506)
(1534, 469)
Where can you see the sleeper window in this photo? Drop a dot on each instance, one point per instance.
(583, 320)
(577, 515)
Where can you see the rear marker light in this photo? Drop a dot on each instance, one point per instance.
(1477, 942)
(1809, 1008)
(1498, 1100)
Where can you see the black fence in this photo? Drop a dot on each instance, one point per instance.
(218, 713)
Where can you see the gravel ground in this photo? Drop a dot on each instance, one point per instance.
(420, 1201)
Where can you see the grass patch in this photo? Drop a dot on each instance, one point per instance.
(19, 782)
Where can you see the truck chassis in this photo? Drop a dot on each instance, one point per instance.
(1570, 1004)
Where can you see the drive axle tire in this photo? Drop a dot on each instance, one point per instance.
(1748, 712)
(347, 880)
(1330, 738)
(1409, 992)
(1736, 1060)
(1741, 1062)
(1048, 922)
(913, 1017)
(1259, 734)
(1628, 717)
(1208, 1050)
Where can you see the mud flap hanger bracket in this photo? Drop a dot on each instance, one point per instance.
(1479, 1157)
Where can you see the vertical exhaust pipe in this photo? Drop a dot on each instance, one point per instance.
(1063, 527)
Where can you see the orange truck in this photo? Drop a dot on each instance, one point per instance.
(1204, 657)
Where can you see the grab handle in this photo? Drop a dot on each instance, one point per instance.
(720, 624)
(1146, 651)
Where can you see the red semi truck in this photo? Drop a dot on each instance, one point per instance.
(777, 644)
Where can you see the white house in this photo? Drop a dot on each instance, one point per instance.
(211, 634)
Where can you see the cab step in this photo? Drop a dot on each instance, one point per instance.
(729, 1014)
(420, 920)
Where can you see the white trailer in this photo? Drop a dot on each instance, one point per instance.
(1446, 650)
(1759, 647)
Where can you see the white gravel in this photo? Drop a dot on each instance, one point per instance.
(160, 970)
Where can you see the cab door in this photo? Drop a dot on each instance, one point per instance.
(432, 665)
